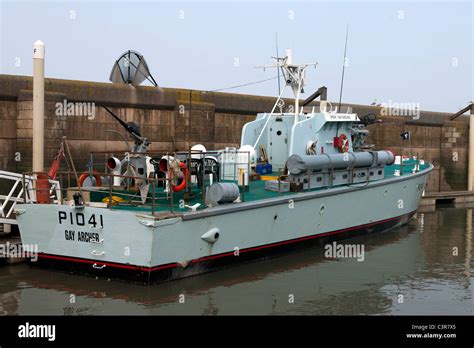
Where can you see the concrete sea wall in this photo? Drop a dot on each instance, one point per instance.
(175, 119)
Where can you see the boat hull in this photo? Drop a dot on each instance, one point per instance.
(174, 271)
(140, 248)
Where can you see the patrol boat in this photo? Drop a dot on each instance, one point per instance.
(299, 179)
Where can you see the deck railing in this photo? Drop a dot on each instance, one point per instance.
(219, 165)
(21, 191)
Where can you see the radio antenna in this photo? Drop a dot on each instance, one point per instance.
(276, 46)
(343, 67)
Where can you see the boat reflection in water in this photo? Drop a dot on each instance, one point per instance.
(412, 269)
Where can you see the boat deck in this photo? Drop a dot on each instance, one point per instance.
(256, 191)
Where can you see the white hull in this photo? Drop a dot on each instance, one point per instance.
(133, 241)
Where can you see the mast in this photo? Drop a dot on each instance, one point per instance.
(278, 70)
(343, 68)
(294, 75)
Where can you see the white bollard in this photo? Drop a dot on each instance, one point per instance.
(38, 107)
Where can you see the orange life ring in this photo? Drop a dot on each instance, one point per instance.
(85, 175)
(182, 185)
(343, 145)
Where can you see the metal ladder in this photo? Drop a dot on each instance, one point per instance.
(17, 194)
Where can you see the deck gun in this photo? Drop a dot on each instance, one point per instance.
(136, 160)
(141, 143)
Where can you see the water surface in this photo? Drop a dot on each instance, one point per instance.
(423, 267)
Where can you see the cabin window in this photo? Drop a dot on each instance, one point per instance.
(319, 179)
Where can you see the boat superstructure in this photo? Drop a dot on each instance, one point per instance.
(299, 178)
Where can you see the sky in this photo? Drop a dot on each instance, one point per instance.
(398, 52)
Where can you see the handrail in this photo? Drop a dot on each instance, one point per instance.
(110, 190)
(158, 198)
(9, 201)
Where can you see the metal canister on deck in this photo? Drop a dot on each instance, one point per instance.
(42, 189)
(222, 193)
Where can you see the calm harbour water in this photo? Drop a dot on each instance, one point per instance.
(418, 261)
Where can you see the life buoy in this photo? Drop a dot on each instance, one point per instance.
(85, 175)
(182, 185)
(343, 144)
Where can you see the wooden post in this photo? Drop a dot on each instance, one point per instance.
(72, 164)
(61, 188)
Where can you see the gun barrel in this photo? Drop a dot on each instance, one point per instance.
(133, 131)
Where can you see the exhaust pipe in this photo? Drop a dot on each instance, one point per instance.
(114, 164)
